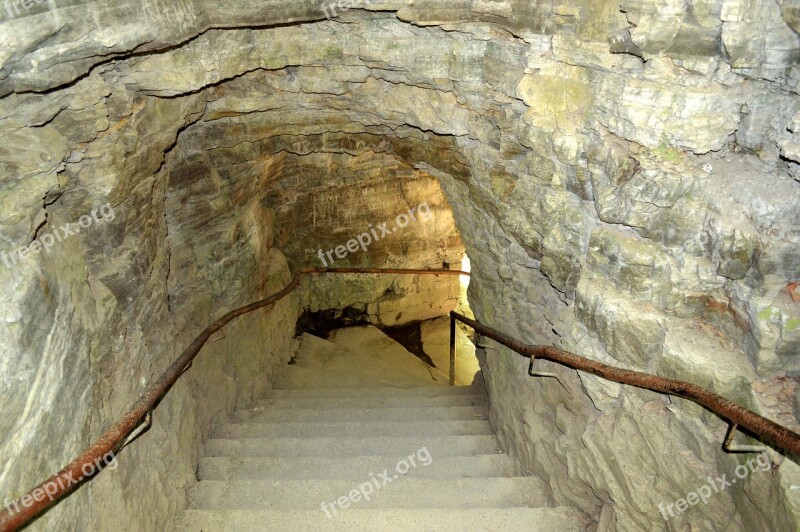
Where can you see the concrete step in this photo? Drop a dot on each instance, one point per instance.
(355, 469)
(399, 492)
(454, 413)
(562, 519)
(373, 372)
(417, 391)
(437, 446)
(312, 401)
(316, 429)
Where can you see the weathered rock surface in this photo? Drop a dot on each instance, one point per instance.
(622, 174)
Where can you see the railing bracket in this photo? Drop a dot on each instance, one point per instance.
(480, 345)
(543, 374)
(141, 429)
(729, 447)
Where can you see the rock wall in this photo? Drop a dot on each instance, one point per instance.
(324, 201)
(624, 176)
(97, 317)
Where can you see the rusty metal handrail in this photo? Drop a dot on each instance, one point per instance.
(119, 434)
(765, 430)
(66, 480)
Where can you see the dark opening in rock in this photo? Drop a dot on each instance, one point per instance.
(410, 337)
(322, 322)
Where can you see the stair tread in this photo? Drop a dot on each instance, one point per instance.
(352, 446)
(378, 391)
(321, 435)
(363, 414)
(563, 519)
(313, 429)
(370, 401)
(395, 491)
(349, 468)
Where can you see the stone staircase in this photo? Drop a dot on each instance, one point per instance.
(420, 457)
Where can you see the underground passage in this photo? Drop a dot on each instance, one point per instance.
(410, 265)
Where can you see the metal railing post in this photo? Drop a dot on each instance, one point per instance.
(452, 351)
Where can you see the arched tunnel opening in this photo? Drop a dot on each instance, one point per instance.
(620, 178)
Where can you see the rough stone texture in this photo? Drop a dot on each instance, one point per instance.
(622, 174)
(387, 300)
(313, 196)
(99, 317)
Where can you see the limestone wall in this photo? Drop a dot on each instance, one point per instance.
(97, 318)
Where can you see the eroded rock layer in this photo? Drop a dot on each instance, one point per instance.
(623, 175)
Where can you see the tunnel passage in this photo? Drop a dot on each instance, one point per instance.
(622, 177)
